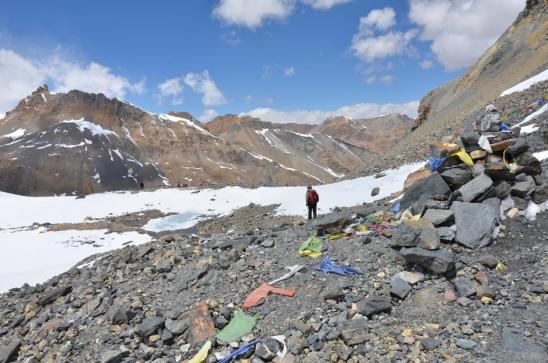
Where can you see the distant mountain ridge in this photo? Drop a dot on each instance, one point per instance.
(80, 143)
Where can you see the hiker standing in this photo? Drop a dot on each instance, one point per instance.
(142, 186)
(312, 199)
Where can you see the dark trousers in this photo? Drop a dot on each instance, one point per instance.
(312, 209)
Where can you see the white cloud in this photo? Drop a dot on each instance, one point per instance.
(381, 19)
(231, 38)
(208, 115)
(290, 71)
(252, 13)
(202, 83)
(461, 31)
(369, 46)
(249, 99)
(357, 111)
(19, 76)
(324, 4)
(171, 88)
(426, 64)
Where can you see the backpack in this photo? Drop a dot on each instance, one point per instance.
(313, 197)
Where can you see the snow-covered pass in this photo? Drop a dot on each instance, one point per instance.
(34, 255)
(542, 76)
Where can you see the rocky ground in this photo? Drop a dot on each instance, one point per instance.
(158, 302)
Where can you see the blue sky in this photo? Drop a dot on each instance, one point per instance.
(284, 60)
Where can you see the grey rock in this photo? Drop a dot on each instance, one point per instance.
(475, 187)
(466, 344)
(470, 138)
(176, 327)
(528, 164)
(119, 314)
(419, 233)
(430, 344)
(489, 261)
(375, 191)
(53, 294)
(524, 186)
(9, 352)
(163, 266)
(430, 186)
(446, 234)
(540, 195)
(520, 203)
(355, 332)
(438, 217)
(465, 287)
(374, 304)
(149, 326)
(440, 261)
(457, 176)
(475, 223)
(493, 203)
(399, 288)
(502, 189)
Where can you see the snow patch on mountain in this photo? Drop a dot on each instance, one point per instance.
(95, 129)
(15, 134)
(522, 86)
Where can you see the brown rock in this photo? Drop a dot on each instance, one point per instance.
(201, 324)
(416, 176)
(481, 277)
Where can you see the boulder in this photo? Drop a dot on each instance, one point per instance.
(438, 217)
(441, 261)
(525, 185)
(374, 304)
(399, 288)
(413, 233)
(493, 203)
(475, 188)
(119, 314)
(429, 186)
(475, 223)
(520, 203)
(478, 154)
(113, 356)
(457, 176)
(333, 222)
(375, 191)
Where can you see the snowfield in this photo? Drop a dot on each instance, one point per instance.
(33, 256)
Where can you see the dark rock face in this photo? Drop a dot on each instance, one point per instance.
(475, 223)
(441, 262)
(430, 186)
